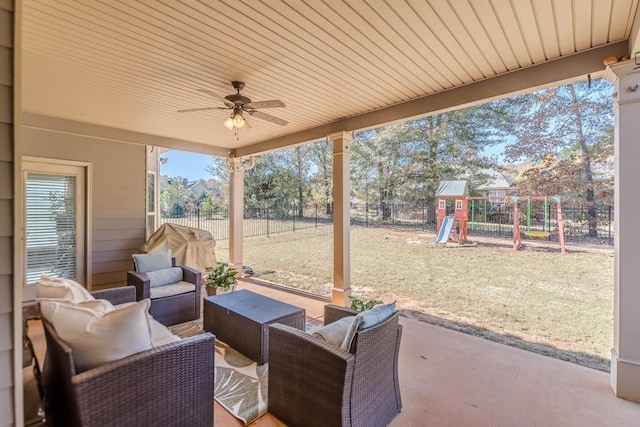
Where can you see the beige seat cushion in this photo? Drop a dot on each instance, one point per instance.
(181, 287)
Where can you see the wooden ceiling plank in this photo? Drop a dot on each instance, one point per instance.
(495, 32)
(405, 40)
(546, 24)
(510, 26)
(621, 19)
(478, 39)
(247, 53)
(563, 13)
(328, 52)
(295, 60)
(443, 43)
(600, 26)
(529, 30)
(424, 43)
(205, 56)
(582, 24)
(385, 54)
(335, 41)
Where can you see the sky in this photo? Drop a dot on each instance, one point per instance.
(185, 164)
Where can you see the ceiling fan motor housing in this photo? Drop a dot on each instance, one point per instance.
(238, 99)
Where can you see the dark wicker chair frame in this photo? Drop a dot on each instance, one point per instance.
(171, 385)
(313, 383)
(173, 309)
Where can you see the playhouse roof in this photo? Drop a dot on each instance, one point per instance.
(452, 188)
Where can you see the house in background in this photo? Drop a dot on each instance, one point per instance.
(87, 89)
(198, 188)
(496, 185)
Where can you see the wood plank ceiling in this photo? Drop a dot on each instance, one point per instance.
(132, 64)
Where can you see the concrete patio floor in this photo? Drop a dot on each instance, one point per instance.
(449, 378)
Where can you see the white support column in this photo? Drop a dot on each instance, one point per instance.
(625, 355)
(341, 218)
(236, 209)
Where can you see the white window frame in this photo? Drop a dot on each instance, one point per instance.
(83, 207)
(154, 212)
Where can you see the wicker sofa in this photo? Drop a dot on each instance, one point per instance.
(170, 385)
(314, 383)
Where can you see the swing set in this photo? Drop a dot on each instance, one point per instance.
(460, 217)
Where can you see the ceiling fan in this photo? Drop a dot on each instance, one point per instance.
(240, 104)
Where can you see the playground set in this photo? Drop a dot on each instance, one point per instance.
(453, 227)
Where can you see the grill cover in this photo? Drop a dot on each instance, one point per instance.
(191, 247)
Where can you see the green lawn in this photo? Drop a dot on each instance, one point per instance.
(535, 298)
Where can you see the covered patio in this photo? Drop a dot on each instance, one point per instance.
(98, 86)
(449, 378)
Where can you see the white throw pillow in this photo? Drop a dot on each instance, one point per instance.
(99, 306)
(96, 338)
(339, 333)
(48, 287)
(152, 261)
(160, 334)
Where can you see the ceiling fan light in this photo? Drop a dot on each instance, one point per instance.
(229, 123)
(238, 120)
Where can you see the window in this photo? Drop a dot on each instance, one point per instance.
(151, 203)
(442, 204)
(458, 205)
(54, 221)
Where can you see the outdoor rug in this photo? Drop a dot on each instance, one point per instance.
(240, 384)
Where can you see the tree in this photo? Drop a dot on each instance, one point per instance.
(379, 157)
(271, 184)
(564, 130)
(300, 162)
(173, 199)
(419, 153)
(321, 156)
(219, 170)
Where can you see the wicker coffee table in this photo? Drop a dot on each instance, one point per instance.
(241, 319)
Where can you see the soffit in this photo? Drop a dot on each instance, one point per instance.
(131, 65)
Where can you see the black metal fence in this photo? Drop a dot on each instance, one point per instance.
(256, 222)
(494, 220)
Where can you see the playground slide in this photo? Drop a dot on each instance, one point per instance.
(445, 229)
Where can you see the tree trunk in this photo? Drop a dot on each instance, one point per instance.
(300, 202)
(586, 165)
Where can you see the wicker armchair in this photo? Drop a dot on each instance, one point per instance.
(313, 383)
(170, 385)
(172, 309)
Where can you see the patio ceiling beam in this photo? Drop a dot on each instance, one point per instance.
(107, 132)
(559, 70)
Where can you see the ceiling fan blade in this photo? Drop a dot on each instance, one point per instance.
(268, 117)
(189, 110)
(266, 104)
(216, 96)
